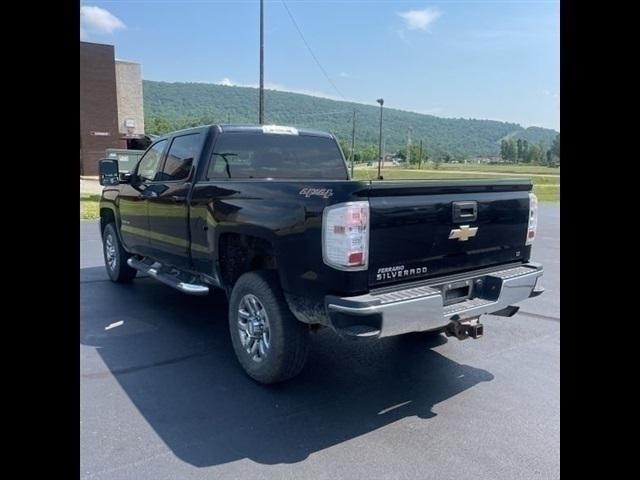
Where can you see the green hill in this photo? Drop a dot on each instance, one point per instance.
(170, 106)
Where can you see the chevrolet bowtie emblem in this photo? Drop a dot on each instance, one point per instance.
(463, 233)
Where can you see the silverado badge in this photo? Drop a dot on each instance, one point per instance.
(463, 233)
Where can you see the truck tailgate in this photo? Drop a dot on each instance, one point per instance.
(423, 229)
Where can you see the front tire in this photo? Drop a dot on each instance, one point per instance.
(269, 342)
(115, 257)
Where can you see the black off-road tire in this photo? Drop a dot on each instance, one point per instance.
(118, 270)
(288, 337)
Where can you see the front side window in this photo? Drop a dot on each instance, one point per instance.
(259, 155)
(180, 158)
(150, 162)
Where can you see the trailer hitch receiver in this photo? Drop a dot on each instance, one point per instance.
(462, 329)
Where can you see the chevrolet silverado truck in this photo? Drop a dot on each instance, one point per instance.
(270, 215)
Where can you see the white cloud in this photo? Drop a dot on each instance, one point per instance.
(344, 74)
(226, 81)
(98, 20)
(420, 19)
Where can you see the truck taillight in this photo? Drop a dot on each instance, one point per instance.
(345, 235)
(533, 218)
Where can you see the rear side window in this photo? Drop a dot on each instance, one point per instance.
(150, 162)
(180, 158)
(259, 155)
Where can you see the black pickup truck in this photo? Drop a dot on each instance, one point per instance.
(271, 215)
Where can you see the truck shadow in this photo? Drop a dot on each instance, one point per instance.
(173, 358)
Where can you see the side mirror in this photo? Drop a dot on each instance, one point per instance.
(108, 168)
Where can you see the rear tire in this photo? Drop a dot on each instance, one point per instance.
(269, 342)
(115, 256)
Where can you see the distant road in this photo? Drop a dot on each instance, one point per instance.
(477, 172)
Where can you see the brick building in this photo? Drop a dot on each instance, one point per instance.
(111, 110)
(129, 95)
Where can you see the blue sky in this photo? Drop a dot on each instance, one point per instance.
(497, 60)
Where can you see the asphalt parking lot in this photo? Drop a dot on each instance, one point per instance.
(162, 396)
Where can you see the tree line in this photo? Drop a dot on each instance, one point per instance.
(511, 151)
(521, 151)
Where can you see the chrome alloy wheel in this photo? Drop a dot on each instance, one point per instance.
(253, 327)
(110, 252)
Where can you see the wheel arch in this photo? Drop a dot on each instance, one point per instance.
(242, 252)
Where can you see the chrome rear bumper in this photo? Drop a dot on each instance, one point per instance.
(423, 308)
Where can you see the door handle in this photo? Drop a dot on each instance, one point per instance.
(178, 198)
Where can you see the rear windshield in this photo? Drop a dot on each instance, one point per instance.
(259, 155)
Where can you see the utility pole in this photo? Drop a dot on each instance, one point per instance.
(353, 141)
(381, 102)
(384, 149)
(261, 106)
(409, 146)
(420, 159)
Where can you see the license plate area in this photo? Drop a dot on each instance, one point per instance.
(456, 292)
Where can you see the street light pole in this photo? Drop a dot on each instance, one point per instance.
(261, 93)
(381, 102)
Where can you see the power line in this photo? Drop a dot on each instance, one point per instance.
(293, 20)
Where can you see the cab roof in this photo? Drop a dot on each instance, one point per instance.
(250, 128)
(253, 128)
